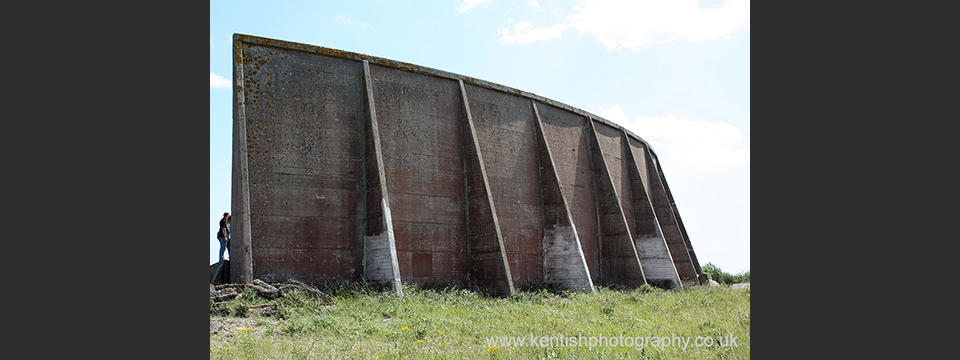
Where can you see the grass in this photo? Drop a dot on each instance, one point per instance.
(450, 323)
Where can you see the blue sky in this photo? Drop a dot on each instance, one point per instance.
(676, 73)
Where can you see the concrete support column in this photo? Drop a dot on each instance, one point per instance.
(652, 248)
(241, 255)
(666, 217)
(563, 260)
(487, 258)
(676, 214)
(380, 263)
(618, 254)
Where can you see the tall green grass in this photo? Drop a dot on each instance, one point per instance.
(450, 323)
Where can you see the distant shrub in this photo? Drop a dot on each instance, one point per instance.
(723, 277)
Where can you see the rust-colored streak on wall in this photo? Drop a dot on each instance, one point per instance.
(303, 119)
(505, 129)
(570, 143)
(419, 119)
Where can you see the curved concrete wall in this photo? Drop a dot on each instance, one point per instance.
(349, 167)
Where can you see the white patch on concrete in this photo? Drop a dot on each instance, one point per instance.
(563, 259)
(656, 261)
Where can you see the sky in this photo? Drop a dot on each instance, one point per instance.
(676, 73)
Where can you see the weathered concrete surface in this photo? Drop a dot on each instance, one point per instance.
(349, 167)
(489, 266)
(619, 261)
(420, 129)
(305, 159)
(658, 266)
(219, 273)
(506, 123)
(381, 263)
(563, 260)
(567, 134)
(667, 219)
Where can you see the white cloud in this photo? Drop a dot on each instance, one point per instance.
(534, 4)
(635, 23)
(524, 34)
(467, 4)
(687, 145)
(218, 82)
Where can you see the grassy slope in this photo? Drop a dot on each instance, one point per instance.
(453, 324)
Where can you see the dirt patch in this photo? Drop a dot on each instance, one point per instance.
(235, 326)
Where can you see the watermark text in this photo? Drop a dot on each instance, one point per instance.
(636, 342)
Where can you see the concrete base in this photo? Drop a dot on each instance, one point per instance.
(704, 279)
(220, 272)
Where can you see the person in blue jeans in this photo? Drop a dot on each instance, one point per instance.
(223, 234)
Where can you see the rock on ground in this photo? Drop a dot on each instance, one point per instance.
(215, 325)
(270, 291)
(310, 291)
(266, 290)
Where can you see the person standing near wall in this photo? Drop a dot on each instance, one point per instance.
(223, 234)
(229, 234)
